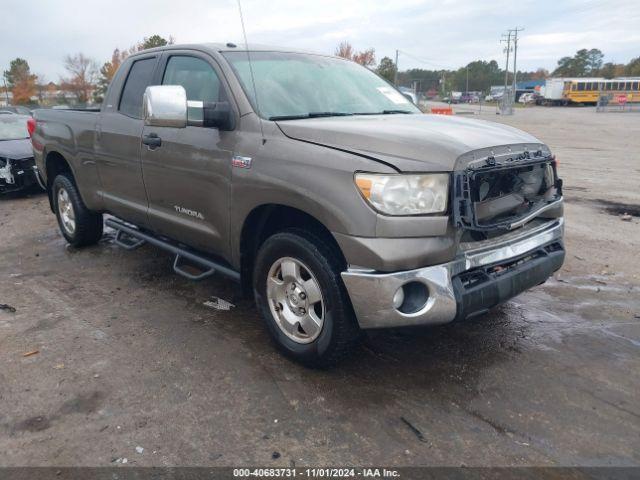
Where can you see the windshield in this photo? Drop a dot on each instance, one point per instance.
(302, 85)
(13, 127)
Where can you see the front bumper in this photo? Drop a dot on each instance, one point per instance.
(483, 275)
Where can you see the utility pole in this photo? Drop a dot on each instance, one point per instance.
(505, 104)
(515, 58)
(395, 75)
(506, 68)
(467, 90)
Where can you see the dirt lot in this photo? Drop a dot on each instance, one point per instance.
(130, 357)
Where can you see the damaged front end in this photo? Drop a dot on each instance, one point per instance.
(501, 193)
(17, 174)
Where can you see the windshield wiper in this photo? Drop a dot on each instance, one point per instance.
(384, 112)
(310, 115)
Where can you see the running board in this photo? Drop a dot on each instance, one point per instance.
(130, 238)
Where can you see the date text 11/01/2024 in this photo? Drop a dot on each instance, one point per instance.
(316, 472)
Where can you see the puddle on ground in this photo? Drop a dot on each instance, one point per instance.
(617, 209)
(613, 208)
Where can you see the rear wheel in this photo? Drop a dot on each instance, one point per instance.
(79, 225)
(300, 295)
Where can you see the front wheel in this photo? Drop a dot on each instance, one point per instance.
(300, 295)
(79, 225)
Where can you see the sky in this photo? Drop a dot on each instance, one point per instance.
(429, 34)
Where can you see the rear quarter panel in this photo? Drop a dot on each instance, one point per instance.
(71, 134)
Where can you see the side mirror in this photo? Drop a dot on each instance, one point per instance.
(167, 106)
(211, 114)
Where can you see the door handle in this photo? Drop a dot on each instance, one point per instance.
(152, 140)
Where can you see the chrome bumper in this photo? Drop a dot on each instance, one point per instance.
(372, 293)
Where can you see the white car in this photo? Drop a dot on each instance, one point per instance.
(526, 98)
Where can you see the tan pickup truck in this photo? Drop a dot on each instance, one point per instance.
(311, 181)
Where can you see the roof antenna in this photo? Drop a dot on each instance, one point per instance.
(253, 80)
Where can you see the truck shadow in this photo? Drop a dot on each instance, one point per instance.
(405, 360)
(454, 354)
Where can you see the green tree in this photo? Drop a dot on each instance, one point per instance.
(427, 79)
(481, 74)
(21, 81)
(583, 64)
(107, 72)
(152, 42)
(386, 69)
(633, 67)
(18, 68)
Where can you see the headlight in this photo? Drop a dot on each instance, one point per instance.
(405, 194)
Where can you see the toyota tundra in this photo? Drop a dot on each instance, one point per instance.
(312, 182)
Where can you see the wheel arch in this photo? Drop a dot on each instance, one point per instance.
(55, 163)
(268, 219)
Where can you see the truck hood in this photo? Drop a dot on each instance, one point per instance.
(16, 149)
(409, 142)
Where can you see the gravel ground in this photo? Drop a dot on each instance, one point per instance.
(131, 364)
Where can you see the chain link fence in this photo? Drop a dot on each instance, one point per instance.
(505, 105)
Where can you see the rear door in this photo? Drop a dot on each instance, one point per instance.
(117, 144)
(187, 177)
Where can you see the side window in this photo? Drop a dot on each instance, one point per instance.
(197, 77)
(138, 80)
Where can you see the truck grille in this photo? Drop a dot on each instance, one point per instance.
(494, 196)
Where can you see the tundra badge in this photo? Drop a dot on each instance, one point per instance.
(187, 211)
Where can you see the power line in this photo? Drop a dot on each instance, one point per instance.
(422, 60)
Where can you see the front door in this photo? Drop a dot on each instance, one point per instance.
(117, 145)
(187, 177)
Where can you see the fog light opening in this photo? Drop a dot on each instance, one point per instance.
(414, 297)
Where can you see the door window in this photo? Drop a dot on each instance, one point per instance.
(138, 80)
(197, 77)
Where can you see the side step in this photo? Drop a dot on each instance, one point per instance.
(130, 238)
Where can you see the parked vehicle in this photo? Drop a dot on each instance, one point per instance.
(312, 182)
(17, 109)
(528, 97)
(17, 165)
(469, 97)
(496, 93)
(455, 97)
(588, 91)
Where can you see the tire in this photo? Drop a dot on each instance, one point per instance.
(79, 225)
(339, 332)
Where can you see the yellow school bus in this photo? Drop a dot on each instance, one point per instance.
(589, 90)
